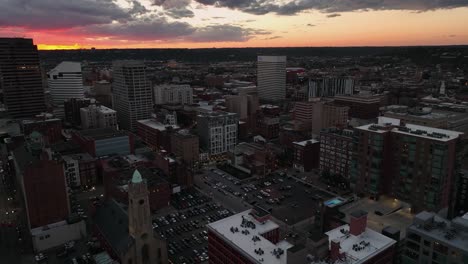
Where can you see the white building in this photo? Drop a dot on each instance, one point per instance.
(132, 95)
(173, 94)
(57, 234)
(217, 131)
(271, 78)
(65, 82)
(72, 171)
(98, 116)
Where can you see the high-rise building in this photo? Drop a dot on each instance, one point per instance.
(361, 106)
(416, 164)
(217, 131)
(98, 116)
(132, 93)
(326, 87)
(336, 151)
(271, 78)
(65, 82)
(237, 104)
(321, 114)
(21, 80)
(432, 239)
(173, 94)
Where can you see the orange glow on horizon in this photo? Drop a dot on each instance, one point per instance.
(59, 47)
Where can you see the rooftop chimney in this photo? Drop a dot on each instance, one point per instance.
(358, 222)
(335, 250)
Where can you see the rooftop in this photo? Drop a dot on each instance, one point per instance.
(152, 123)
(359, 249)
(67, 66)
(244, 232)
(386, 124)
(305, 142)
(453, 233)
(102, 133)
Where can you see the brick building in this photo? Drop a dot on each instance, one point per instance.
(105, 141)
(50, 128)
(155, 134)
(336, 151)
(306, 155)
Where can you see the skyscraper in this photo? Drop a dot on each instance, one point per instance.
(132, 93)
(271, 78)
(65, 82)
(20, 77)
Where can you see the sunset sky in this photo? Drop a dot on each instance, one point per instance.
(61, 24)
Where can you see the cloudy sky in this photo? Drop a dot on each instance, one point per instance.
(234, 23)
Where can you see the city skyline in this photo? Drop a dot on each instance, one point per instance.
(222, 23)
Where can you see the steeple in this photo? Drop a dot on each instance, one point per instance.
(137, 177)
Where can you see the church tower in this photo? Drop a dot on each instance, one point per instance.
(146, 248)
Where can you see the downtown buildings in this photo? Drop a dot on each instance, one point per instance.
(65, 82)
(173, 94)
(132, 93)
(21, 82)
(413, 163)
(98, 116)
(217, 131)
(271, 78)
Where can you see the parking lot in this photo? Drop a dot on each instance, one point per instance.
(185, 228)
(287, 198)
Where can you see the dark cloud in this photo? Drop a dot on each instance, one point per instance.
(333, 15)
(60, 14)
(274, 37)
(180, 13)
(224, 33)
(149, 29)
(328, 6)
(175, 8)
(310, 25)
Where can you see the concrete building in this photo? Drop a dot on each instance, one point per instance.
(98, 116)
(328, 87)
(432, 239)
(248, 237)
(80, 170)
(336, 151)
(237, 104)
(416, 164)
(21, 82)
(132, 93)
(65, 82)
(72, 110)
(361, 106)
(306, 155)
(102, 92)
(173, 94)
(104, 142)
(325, 114)
(354, 243)
(271, 78)
(217, 131)
(128, 235)
(55, 235)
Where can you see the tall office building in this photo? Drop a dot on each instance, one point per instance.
(326, 87)
(65, 82)
(271, 78)
(21, 80)
(132, 93)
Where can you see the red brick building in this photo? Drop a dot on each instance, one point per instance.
(306, 155)
(51, 129)
(155, 134)
(103, 142)
(186, 146)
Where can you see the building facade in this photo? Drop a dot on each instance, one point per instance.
(50, 128)
(186, 146)
(72, 110)
(336, 151)
(271, 78)
(98, 116)
(327, 87)
(104, 142)
(21, 82)
(217, 131)
(65, 82)
(306, 155)
(173, 94)
(413, 163)
(132, 93)
(362, 107)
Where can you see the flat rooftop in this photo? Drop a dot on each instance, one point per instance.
(156, 124)
(102, 133)
(303, 143)
(453, 233)
(245, 243)
(386, 124)
(361, 248)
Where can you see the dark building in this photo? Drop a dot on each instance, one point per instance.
(186, 146)
(43, 183)
(105, 142)
(72, 110)
(336, 151)
(461, 202)
(306, 155)
(21, 80)
(51, 129)
(413, 163)
(362, 107)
